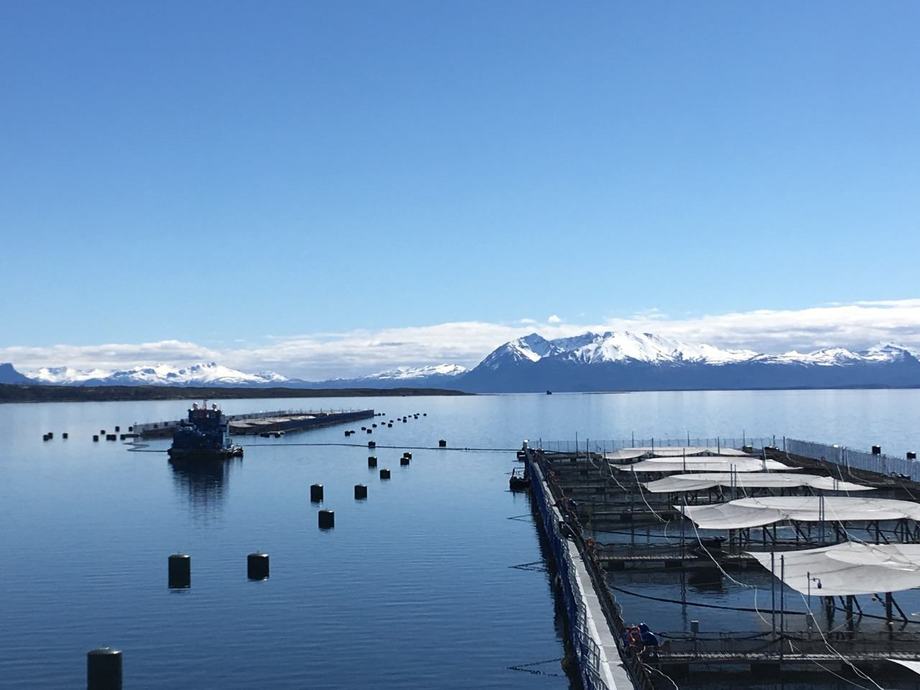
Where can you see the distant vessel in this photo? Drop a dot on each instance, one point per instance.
(205, 435)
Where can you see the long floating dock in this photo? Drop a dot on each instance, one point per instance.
(265, 422)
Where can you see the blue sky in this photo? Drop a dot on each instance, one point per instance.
(220, 173)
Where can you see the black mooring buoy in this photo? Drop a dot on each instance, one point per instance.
(384, 473)
(360, 492)
(316, 492)
(372, 461)
(403, 461)
(326, 519)
(65, 435)
(407, 454)
(371, 444)
(257, 566)
(117, 429)
(442, 443)
(96, 437)
(180, 571)
(103, 669)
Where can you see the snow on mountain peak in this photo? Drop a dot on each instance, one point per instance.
(208, 373)
(619, 346)
(420, 372)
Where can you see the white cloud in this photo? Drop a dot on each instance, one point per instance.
(327, 355)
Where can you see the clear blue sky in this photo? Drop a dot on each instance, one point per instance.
(211, 171)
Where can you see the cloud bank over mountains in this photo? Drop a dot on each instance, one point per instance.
(318, 356)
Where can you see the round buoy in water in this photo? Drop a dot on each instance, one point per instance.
(103, 669)
(407, 454)
(404, 461)
(384, 473)
(257, 566)
(316, 492)
(442, 443)
(96, 437)
(326, 519)
(372, 461)
(180, 571)
(360, 492)
(371, 444)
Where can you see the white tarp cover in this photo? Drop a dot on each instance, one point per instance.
(704, 463)
(625, 454)
(755, 512)
(749, 480)
(912, 665)
(847, 568)
(679, 451)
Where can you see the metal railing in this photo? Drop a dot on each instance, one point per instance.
(855, 459)
(600, 446)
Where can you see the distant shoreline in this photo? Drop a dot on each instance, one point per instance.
(30, 393)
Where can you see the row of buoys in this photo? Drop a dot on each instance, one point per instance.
(389, 424)
(179, 571)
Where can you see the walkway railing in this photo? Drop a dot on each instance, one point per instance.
(850, 458)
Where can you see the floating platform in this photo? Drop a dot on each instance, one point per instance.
(264, 422)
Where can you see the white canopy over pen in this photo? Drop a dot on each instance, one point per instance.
(626, 454)
(756, 512)
(704, 463)
(845, 569)
(749, 480)
(912, 665)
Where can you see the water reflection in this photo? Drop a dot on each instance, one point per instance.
(204, 482)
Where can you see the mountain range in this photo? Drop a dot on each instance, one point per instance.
(611, 361)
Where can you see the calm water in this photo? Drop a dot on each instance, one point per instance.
(413, 588)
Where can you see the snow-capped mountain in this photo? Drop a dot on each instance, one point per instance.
(614, 360)
(205, 374)
(408, 373)
(622, 360)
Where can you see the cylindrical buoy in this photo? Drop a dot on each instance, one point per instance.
(371, 444)
(45, 437)
(390, 425)
(403, 461)
(407, 454)
(65, 436)
(326, 519)
(180, 571)
(103, 669)
(257, 566)
(911, 455)
(424, 414)
(876, 450)
(360, 491)
(102, 432)
(111, 437)
(370, 431)
(316, 492)
(50, 434)
(130, 429)
(95, 437)
(372, 461)
(117, 429)
(442, 443)
(384, 473)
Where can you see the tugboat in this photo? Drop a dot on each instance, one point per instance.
(205, 435)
